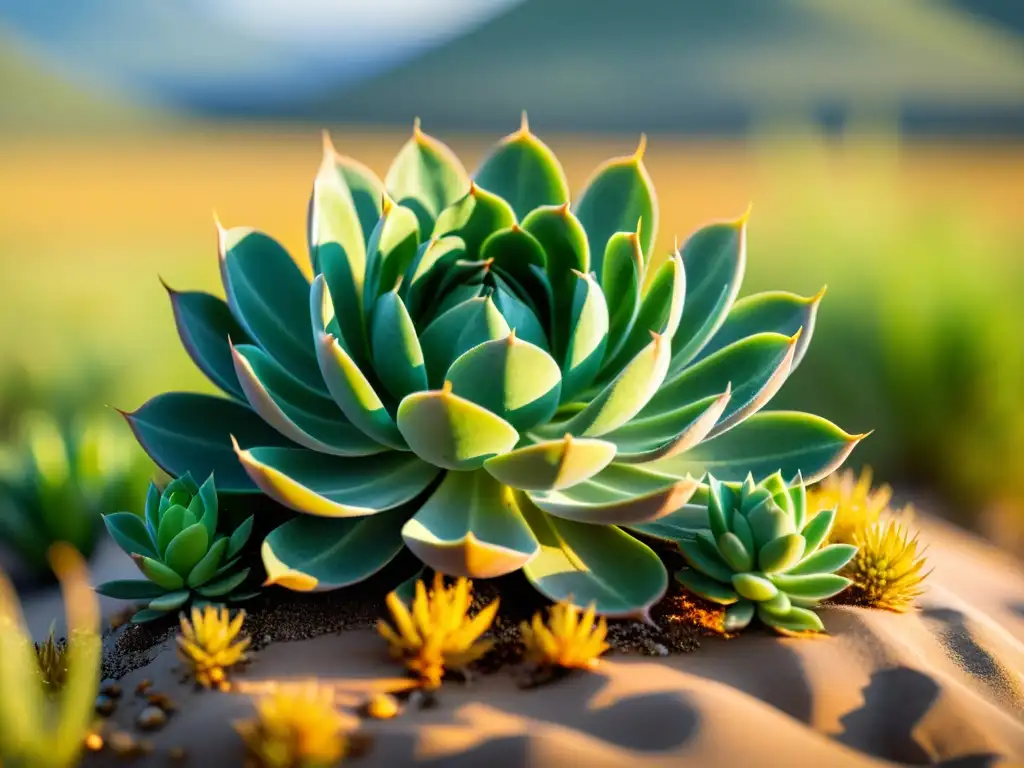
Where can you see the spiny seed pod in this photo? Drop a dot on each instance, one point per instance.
(211, 643)
(179, 550)
(486, 375)
(888, 569)
(762, 555)
(567, 639)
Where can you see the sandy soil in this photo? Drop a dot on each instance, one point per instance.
(943, 685)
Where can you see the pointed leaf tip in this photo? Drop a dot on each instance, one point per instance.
(742, 220)
(641, 147)
(417, 128)
(524, 123)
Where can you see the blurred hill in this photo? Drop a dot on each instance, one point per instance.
(942, 66)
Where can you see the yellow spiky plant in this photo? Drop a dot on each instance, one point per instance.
(857, 504)
(37, 729)
(52, 656)
(566, 640)
(437, 634)
(211, 643)
(888, 569)
(296, 727)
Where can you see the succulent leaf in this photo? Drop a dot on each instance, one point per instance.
(552, 465)
(715, 259)
(397, 356)
(816, 530)
(525, 172)
(581, 563)
(471, 526)
(187, 549)
(130, 533)
(130, 589)
(207, 566)
(475, 217)
(308, 553)
(707, 587)
(765, 443)
(329, 486)
(205, 325)
(616, 197)
(781, 554)
(390, 250)
(738, 616)
(588, 336)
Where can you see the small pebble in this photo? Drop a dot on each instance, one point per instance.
(421, 699)
(105, 705)
(110, 688)
(123, 744)
(382, 706)
(151, 718)
(143, 688)
(177, 754)
(163, 701)
(660, 649)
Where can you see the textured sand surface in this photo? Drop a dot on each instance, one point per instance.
(942, 685)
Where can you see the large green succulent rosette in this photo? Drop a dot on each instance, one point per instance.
(488, 375)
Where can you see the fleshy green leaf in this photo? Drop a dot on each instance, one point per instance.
(765, 443)
(597, 564)
(330, 486)
(130, 533)
(185, 432)
(207, 496)
(303, 416)
(769, 312)
(796, 620)
(706, 587)
(152, 508)
(397, 357)
(204, 325)
(553, 464)
(205, 569)
(622, 278)
(428, 172)
(239, 537)
(660, 312)
(424, 275)
(619, 195)
(187, 549)
(519, 257)
(826, 560)
(158, 573)
(346, 383)
(131, 589)
(676, 526)
(269, 296)
(519, 314)
(707, 560)
(457, 331)
(781, 553)
(588, 337)
(564, 241)
(147, 615)
(319, 553)
(643, 440)
(525, 172)
(451, 432)
(389, 252)
(344, 209)
(509, 377)
(715, 259)
(471, 526)
(817, 528)
(171, 523)
(170, 601)
(624, 397)
(768, 522)
(475, 217)
(224, 585)
(753, 587)
(738, 616)
(735, 552)
(817, 586)
(619, 494)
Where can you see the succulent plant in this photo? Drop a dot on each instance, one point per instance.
(762, 554)
(436, 633)
(52, 657)
(211, 643)
(296, 727)
(179, 550)
(566, 640)
(486, 375)
(57, 478)
(856, 502)
(40, 728)
(888, 569)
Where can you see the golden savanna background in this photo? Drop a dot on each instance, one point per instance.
(879, 144)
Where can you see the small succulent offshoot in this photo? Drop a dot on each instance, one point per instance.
(296, 728)
(762, 554)
(437, 634)
(177, 546)
(52, 655)
(567, 640)
(888, 569)
(211, 643)
(856, 503)
(36, 728)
